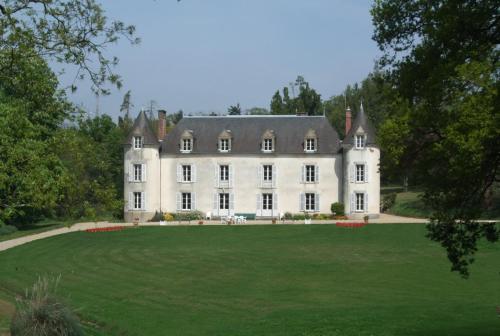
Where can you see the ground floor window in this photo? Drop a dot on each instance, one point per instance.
(267, 201)
(310, 202)
(360, 202)
(223, 201)
(138, 200)
(186, 201)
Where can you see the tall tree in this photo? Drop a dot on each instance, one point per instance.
(443, 57)
(308, 100)
(234, 109)
(277, 103)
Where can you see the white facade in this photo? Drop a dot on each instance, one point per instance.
(266, 184)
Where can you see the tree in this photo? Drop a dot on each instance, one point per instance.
(443, 58)
(67, 31)
(257, 111)
(307, 101)
(126, 123)
(234, 109)
(277, 104)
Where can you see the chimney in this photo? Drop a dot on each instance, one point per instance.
(162, 124)
(348, 119)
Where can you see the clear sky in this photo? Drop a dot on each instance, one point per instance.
(203, 56)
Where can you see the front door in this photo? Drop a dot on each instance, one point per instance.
(267, 205)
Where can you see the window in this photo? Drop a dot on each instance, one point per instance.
(360, 173)
(310, 145)
(223, 201)
(268, 145)
(267, 201)
(138, 142)
(186, 201)
(137, 172)
(187, 145)
(310, 173)
(310, 202)
(268, 173)
(224, 172)
(360, 141)
(360, 202)
(224, 145)
(138, 201)
(186, 173)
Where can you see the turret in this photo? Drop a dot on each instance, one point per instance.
(361, 168)
(141, 169)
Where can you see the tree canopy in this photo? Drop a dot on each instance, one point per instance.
(308, 101)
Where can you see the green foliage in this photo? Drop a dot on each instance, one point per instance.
(288, 215)
(189, 216)
(444, 60)
(388, 200)
(234, 109)
(337, 209)
(7, 229)
(308, 101)
(40, 313)
(257, 111)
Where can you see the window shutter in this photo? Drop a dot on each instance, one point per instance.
(259, 204)
(275, 201)
(231, 204)
(179, 201)
(353, 203)
(231, 176)
(143, 171)
(352, 172)
(260, 175)
(130, 172)
(193, 173)
(366, 173)
(366, 202)
(193, 201)
(143, 201)
(131, 201)
(303, 178)
(216, 204)
(179, 173)
(302, 201)
(317, 174)
(275, 177)
(216, 176)
(316, 202)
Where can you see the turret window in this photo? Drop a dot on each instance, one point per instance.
(360, 141)
(360, 173)
(138, 142)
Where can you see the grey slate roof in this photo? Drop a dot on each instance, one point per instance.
(142, 128)
(247, 132)
(363, 121)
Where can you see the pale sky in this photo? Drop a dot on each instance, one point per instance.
(203, 56)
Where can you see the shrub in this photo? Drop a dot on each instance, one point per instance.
(388, 200)
(189, 216)
(298, 217)
(7, 229)
(169, 217)
(40, 313)
(157, 217)
(337, 209)
(288, 215)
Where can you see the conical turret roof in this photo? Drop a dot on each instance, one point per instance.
(363, 122)
(142, 128)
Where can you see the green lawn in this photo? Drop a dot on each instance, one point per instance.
(263, 280)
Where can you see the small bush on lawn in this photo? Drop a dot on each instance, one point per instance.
(189, 216)
(288, 216)
(388, 200)
(40, 313)
(7, 229)
(337, 209)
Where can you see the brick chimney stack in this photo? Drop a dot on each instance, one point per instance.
(348, 120)
(162, 124)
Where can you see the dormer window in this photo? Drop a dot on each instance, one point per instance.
(186, 144)
(359, 141)
(268, 142)
(225, 141)
(310, 145)
(310, 142)
(138, 142)
(268, 145)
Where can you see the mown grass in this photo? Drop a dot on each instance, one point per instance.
(262, 280)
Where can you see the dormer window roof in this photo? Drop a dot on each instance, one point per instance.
(268, 140)
(224, 143)
(310, 142)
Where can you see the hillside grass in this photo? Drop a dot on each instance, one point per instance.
(262, 280)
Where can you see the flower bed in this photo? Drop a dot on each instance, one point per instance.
(350, 224)
(106, 229)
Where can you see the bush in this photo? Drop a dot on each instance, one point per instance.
(337, 209)
(169, 217)
(40, 313)
(288, 215)
(189, 216)
(7, 229)
(157, 217)
(388, 200)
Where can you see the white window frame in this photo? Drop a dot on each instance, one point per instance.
(360, 171)
(138, 142)
(359, 141)
(310, 145)
(137, 171)
(137, 198)
(186, 201)
(310, 202)
(186, 145)
(267, 202)
(187, 173)
(224, 173)
(224, 145)
(310, 173)
(267, 173)
(268, 145)
(359, 201)
(224, 201)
